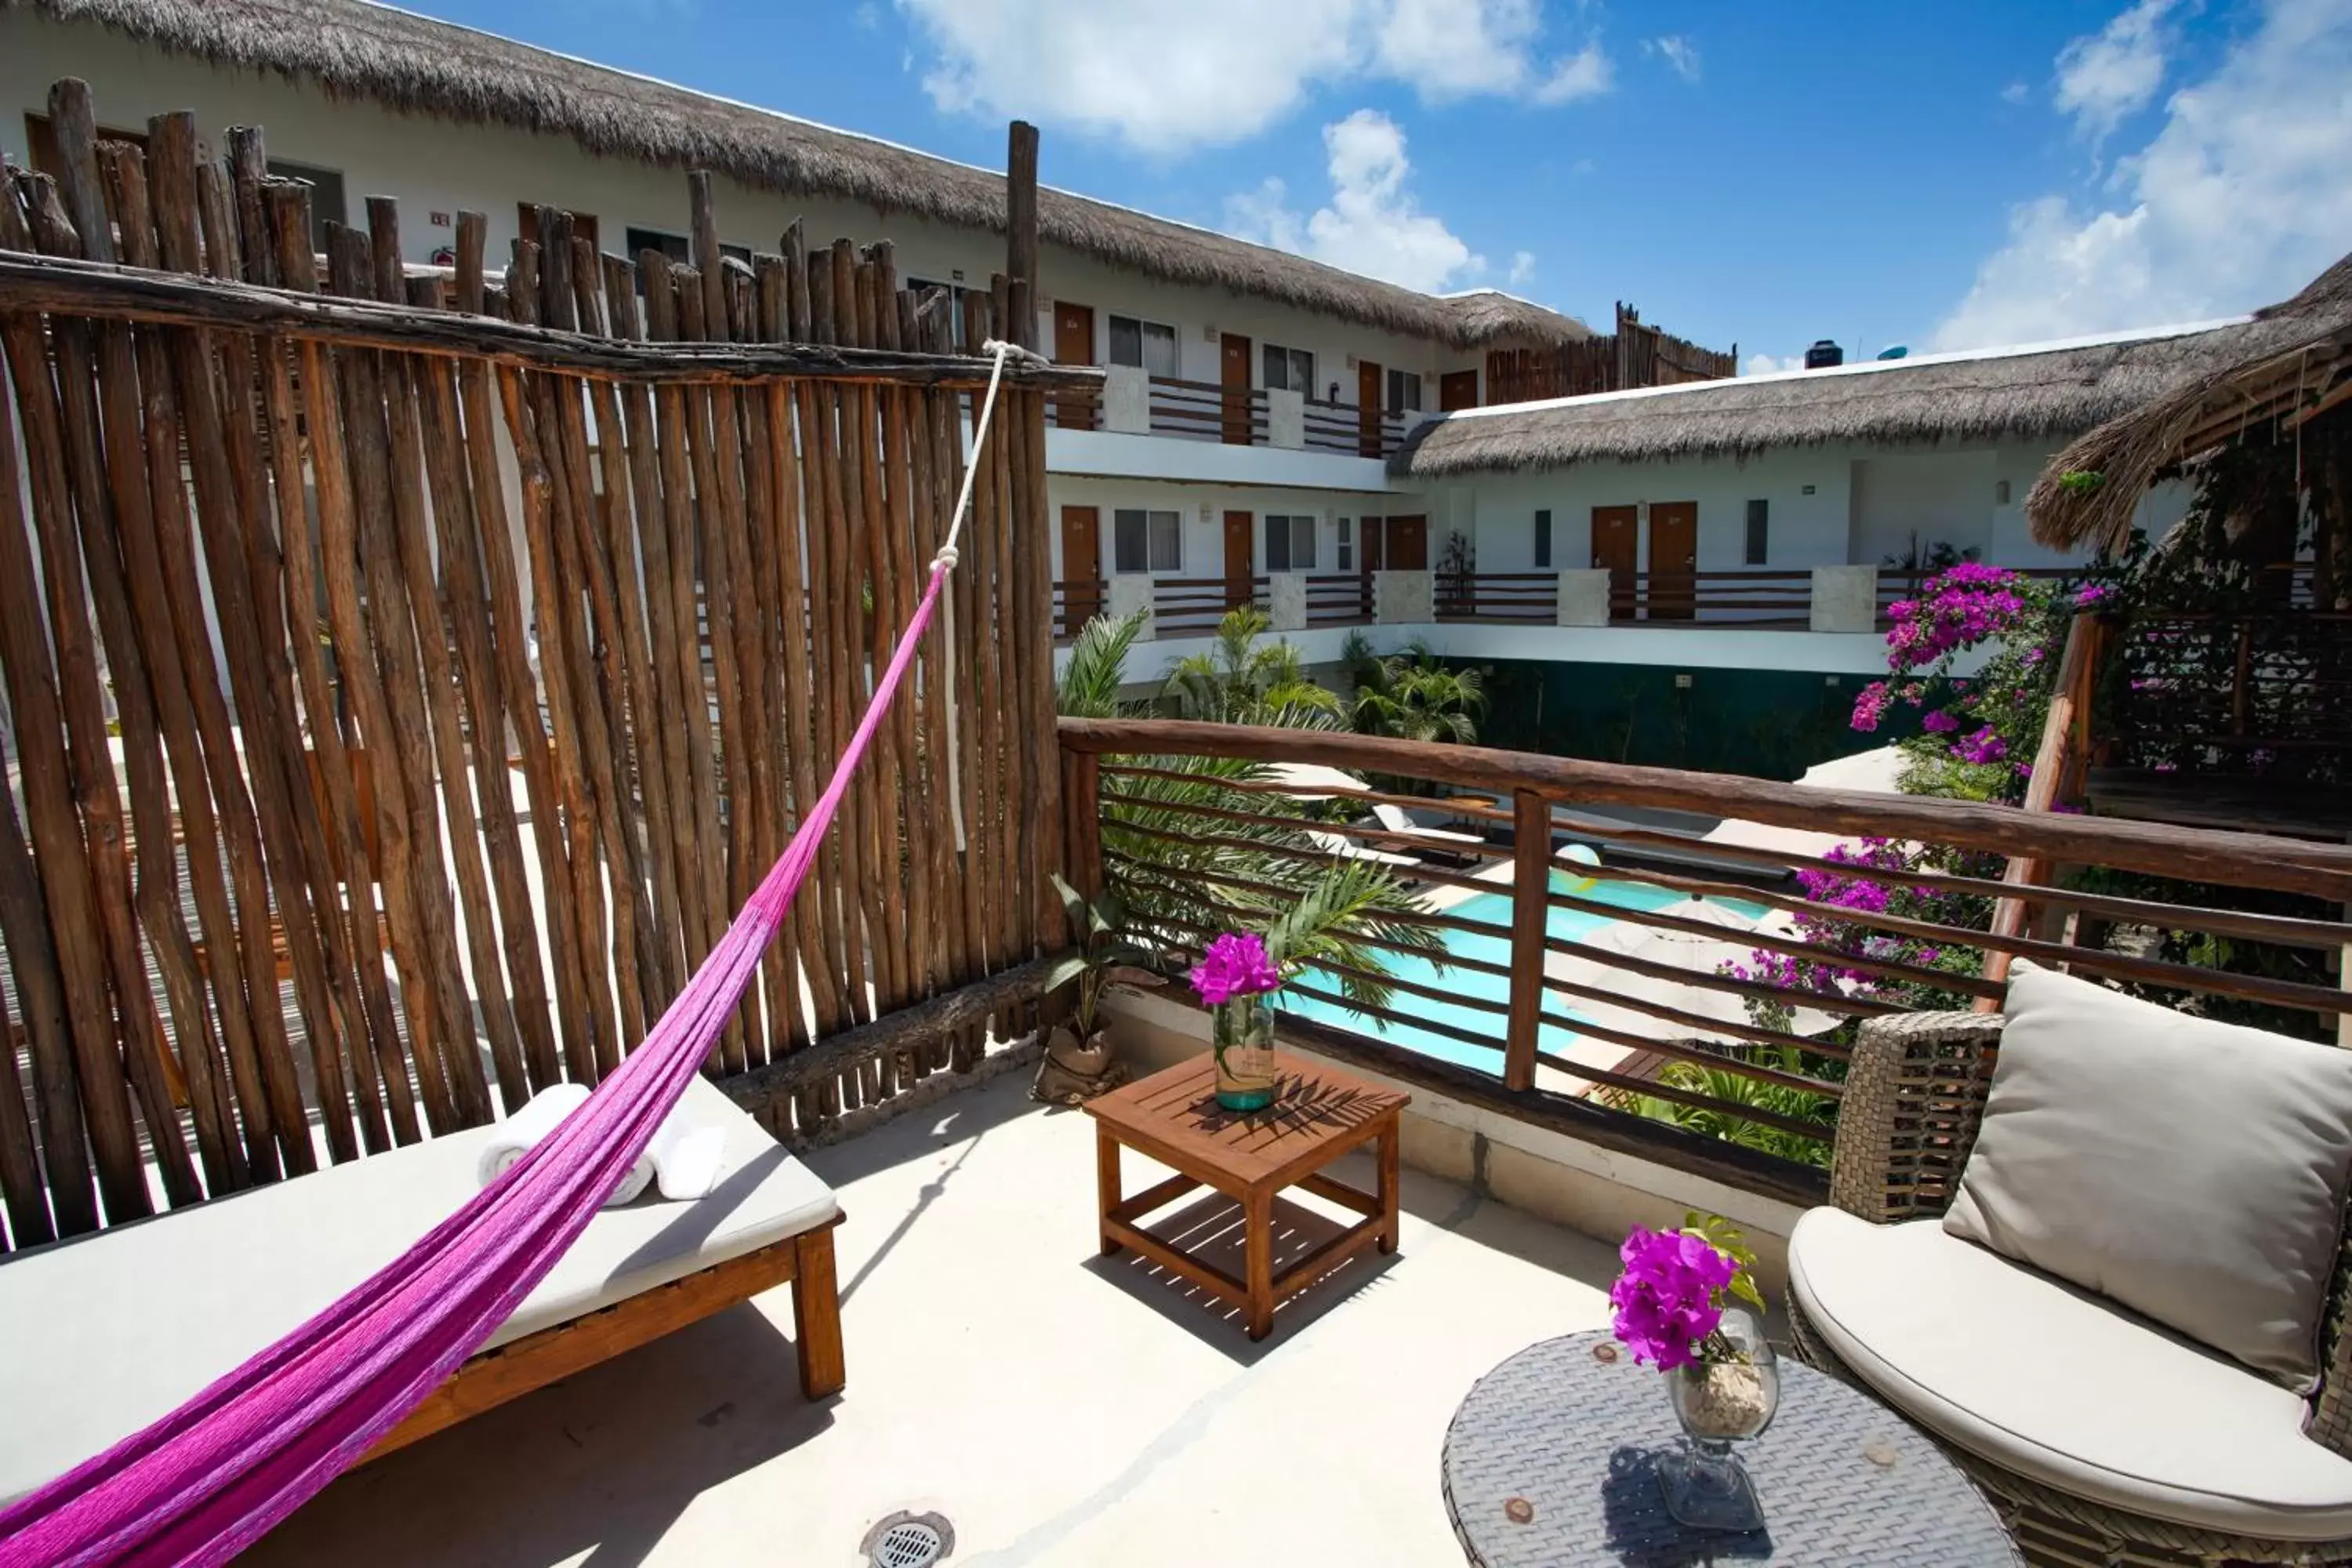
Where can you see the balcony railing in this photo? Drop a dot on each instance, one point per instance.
(1559, 1023)
(1208, 411)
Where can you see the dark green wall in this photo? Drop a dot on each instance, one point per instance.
(1765, 723)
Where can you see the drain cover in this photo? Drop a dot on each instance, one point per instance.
(909, 1540)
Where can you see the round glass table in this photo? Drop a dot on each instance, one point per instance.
(1552, 1460)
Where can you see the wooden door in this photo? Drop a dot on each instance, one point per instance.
(1234, 376)
(1674, 560)
(1368, 408)
(1457, 389)
(1082, 585)
(1408, 544)
(1240, 533)
(1616, 539)
(1074, 343)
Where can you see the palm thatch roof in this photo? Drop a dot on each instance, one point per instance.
(416, 64)
(2293, 364)
(2010, 394)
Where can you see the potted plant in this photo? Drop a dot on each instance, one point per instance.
(1234, 977)
(1673, 1307)
(1080, 1060)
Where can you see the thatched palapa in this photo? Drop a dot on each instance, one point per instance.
(418, 66)
(2293, 364)
(2026, 394)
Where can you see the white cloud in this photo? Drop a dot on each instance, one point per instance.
(1766, 364)
(2107, 75)
(1584, 73)
(1371, 225)
(2016, 93)
(2238, 200)
(1677, 51)
(1523, 269)
(1164, 76)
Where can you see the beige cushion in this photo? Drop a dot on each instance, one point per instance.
(131, 1321)
(2056, 1384)
(2192, 1171)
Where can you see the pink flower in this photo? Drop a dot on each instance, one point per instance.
(1664, 1301)
(1939, 722)
(1236, 965)
(1984, 746)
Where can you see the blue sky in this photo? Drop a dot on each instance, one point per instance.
(1946, 175)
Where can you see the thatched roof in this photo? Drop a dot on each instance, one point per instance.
(2011, 394)
(2297, 354)
(420, 65)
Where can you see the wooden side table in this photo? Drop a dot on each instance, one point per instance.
(1318, 1114)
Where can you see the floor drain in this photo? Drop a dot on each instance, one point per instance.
(909, 1540)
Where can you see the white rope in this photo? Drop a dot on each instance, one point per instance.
(947, 558)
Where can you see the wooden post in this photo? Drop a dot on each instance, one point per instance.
(1530, 912)
(1021, 228)
(1081, 807)
(2064, 742)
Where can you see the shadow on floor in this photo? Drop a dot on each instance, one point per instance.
(604, 1463)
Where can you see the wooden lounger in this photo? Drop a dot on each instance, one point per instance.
(114, 1329)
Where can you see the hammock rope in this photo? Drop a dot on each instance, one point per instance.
(211, 1477)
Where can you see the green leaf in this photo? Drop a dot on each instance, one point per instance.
(1074, 903)
(1067, 968)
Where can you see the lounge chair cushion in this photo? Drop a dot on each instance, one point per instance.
(2057, 1385)
(109, 1331)
(2190, 1170)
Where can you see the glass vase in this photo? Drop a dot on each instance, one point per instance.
(1725, 1399)
(1242, 1043)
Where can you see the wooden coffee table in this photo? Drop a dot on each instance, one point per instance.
(1318, 1114)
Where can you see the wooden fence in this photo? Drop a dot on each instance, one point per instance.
(401, 698)
(1635, 355)
(1540, 1016)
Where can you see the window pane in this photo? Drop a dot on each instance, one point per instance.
(1125, 341)
(1160, 348)
(1277, 544)
(1543, 538)
(1302, 544)
(1759, 531)
(1302, 372)
(1130, 552)
(1167, 541)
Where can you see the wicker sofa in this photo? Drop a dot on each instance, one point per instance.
(2258, 1474)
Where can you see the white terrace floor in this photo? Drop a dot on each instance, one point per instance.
(1056, 1406)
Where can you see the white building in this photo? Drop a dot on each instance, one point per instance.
(1270, 426)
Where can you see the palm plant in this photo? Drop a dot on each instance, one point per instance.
(1242, 681)
(1737, 1089)
(1186, 872)
(1415, 696)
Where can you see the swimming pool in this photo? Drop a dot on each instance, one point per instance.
(1487, 909)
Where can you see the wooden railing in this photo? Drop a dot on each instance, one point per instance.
(1338, 598)
(1204, 411)
(1531, 596)
(1192, 606)
(1193, 853)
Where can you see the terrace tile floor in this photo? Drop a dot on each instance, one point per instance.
(1056, 1406)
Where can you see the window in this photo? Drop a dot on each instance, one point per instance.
(1404, 390)
(674, 246)
(1290, 370)
(1345, 545)
(1759, 511)
(1543, 538)
(1150, 346)
(1146, 542)
(1290, 543)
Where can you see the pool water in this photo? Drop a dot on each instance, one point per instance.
(1487, 909)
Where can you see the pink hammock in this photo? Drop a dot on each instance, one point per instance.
(213, 1476)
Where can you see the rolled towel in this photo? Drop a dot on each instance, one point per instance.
(683, 1158)
(545, 1111)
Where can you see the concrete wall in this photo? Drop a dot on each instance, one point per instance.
(1828, 505)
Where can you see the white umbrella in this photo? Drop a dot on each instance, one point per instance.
(1701, 957)
(1875, 772)
(1298, 778)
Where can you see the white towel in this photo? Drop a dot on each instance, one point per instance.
(683, 1158)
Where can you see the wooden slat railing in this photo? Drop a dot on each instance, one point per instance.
(1196, 854)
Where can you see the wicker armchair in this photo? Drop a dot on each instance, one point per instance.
(1914, 1103)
